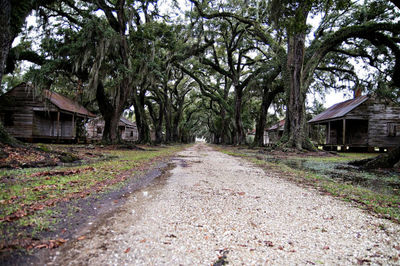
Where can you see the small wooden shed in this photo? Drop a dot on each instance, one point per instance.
(47, 116)
(362, 122)
(274, 133)
(127, 129)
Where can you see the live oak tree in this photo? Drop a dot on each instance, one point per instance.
(288, 21)
(231, 57)
(239, 58)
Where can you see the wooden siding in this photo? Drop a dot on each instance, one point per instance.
(33, 116)
(130, 134)
(15, 107)
(367, 125)
(380, 116)
(45, 124)
(95, 128)
(91, 129)
(361, 111)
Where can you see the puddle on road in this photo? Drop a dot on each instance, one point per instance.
(387, 182)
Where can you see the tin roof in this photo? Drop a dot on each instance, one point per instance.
(277, 126)
(66, 104)
(127, 122)
(340, 109)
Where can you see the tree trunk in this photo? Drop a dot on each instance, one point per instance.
(224, 122)
(175, 128)
(6, 37)
(157, 121)
(111, 132)
(177, 120)
(387, 160)
(267, 98)
(239, 133)
(167, 115)
(141, 120)
(111, 115)
(223, 132)
(295, 116)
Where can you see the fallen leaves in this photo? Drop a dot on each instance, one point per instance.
(32, 208)
(81, 238)
(44, 187)
(127, 250)
(29, 195)
(25, 157)
(30, 243)
(362, 261)
(269, 243)
(63, 172)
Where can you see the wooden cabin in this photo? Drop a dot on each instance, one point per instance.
(274, 133)
(363, 122)
(30, 116)
(127, 129)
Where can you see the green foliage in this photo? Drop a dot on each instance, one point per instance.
(7, 139)
(222, 53)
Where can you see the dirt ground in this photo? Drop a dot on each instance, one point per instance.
(214, 209)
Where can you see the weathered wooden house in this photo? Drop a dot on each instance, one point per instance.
(127, 129)
(362, 122)
(274, 133)
(46, 116)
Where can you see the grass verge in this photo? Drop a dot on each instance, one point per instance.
(28, 196)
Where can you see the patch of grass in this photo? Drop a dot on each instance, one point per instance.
(26, 195)
(385, 205)
(344, 157)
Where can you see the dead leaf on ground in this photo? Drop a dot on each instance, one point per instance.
(81, 238)
(362, 261)
(269, 243)
(127, 250)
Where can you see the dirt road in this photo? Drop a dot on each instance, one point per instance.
(215, 208)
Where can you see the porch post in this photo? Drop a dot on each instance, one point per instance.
(58, 125)
(329, 133)
(73, 126)
(344, 131)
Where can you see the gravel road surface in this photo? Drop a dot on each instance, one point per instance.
(214, 208)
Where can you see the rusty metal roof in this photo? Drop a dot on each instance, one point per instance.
(66, 104)
(278, 126)
(127, 122)
(339, 110)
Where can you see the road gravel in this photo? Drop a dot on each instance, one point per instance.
(214, 208)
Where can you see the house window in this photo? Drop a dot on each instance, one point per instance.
(131, 133)
(99, 131)
(391, 128)
(9, 119)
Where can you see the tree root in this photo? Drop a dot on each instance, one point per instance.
(388, 160)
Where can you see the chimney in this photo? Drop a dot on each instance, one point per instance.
(357, 92)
